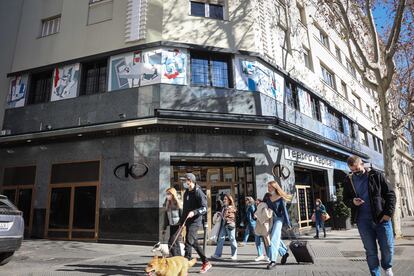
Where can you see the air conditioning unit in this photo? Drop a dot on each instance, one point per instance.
(5, 132)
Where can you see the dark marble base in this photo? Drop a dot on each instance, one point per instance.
(38, 226)
(129, 225)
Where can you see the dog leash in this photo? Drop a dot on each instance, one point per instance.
(178, 233)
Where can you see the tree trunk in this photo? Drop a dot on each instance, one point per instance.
(390, 159)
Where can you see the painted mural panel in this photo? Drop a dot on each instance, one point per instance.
(305, 102)
(174, 64)
(65, 82)
(254, 76)
(17, 91)
(147, 67)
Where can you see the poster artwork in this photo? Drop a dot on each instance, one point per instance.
(65, 82)
(17, 91)
(254, 76)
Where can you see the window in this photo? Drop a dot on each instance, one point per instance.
(328, 77)
(40, 87)
(302, 14)
(323, 37)
(93, 77)
(378, 119)
(307, 58)
(369, 111)
(99, 11)
(351, 68)
(335, 120)
(215, 11)
(344, 89)
(363, 136)
(209, 69)
(15, 176)
(50, 26)
(356, 101)
(316, 110)
(374, 140)
(338, 54)
(373, 116)
(291, 96)
(379, 146)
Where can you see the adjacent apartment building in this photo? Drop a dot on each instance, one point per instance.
(109, 102)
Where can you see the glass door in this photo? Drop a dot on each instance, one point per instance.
(305, 206)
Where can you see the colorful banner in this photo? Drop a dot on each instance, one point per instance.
(147, 67)
(17, 91)
(254, 76)
(65, 82)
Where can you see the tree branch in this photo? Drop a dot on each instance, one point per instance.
(373, 30)
(395, 31)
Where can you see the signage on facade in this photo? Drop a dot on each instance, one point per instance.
(308, 158)
(136, 171)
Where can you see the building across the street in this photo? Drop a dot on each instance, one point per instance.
(110, 102)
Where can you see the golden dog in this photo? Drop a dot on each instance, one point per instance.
(174, 266)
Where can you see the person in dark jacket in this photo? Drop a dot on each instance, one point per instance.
(173, 212)
(194, 207)
(372, 201)
(319, 223)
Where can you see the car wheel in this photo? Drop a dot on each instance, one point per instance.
(5, 257)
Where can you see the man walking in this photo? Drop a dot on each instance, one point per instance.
(194, 207)
(372, 201)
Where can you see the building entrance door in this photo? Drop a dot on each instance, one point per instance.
(216, 180)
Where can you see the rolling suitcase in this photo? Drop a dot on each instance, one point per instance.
(301, 251)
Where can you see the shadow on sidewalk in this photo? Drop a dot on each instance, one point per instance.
(107, 270)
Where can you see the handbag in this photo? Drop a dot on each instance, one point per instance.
(325, 217)
(313, 218)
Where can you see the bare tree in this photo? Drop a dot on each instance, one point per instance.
(385, 62)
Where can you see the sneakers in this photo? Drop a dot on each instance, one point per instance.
(205, 267)
(241, 244)
(271, 265)
(260, 258)
(316, 237)
(215, 257)
(233, 258)
(284, 258)
(388, 272)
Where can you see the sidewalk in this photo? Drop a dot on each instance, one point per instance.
(341, 253)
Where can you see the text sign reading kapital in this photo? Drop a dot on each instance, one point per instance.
(308, 158)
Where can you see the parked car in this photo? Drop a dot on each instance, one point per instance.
(11, 229)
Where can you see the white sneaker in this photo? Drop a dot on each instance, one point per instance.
(268, 259)
(233, 258)
(215, 257)
(388, 272)
(260, 258)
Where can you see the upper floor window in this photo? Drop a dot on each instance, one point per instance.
(207, 9)
(363, 136)
(50, 26)
(374, 140)
(344, 90)
(328, 77)
(338, 54)
(211, 69)
(40, 87)
(335, 120)
(351, 68)
(323, 37)
(316, 110)
(356, 101)
(93, 77)
(291, 96)
(307, 58)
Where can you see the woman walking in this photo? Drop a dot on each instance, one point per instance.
(249, 219)
(227, 228)
(277, 203)
(319, 210)
(172, 217)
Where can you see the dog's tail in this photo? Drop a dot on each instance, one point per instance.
(192, 262)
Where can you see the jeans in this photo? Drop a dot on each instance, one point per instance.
(191, 241)
(370, 233)
(319, 224)
(175, 250)
(249, 230)
(231, 234)
(282, 249)
(275, 237)
(257, 239)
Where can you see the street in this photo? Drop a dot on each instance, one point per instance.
(341, 253)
